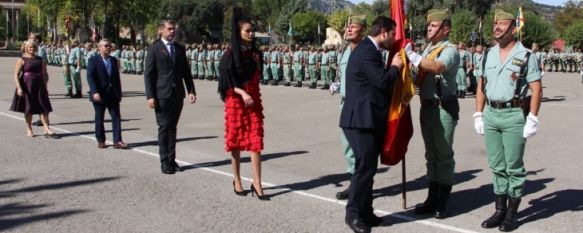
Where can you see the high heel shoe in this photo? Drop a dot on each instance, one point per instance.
(260, 197)
(240, 193)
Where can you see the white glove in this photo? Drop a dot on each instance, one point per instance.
(334, 87)
(531, 126)
(412, 55)
(542, 73)
(479, 123)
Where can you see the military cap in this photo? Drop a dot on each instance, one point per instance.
(437, 15)
(503, 15)
(358, 19)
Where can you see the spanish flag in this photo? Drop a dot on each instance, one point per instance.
(400, 124)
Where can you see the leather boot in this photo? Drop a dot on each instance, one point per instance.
(428, 206)
(462, 94)
(313, 86)
(298, 84)
(443, 195)
(78, 94)
(498, 216)
(510, 221)
(275, 83)
(69, 93)
(287, 84)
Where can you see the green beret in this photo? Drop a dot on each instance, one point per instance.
(358, 19)
(503, 15)
(437, 15)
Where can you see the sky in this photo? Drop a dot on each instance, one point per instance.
(548, 2)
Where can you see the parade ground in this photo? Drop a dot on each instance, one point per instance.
(69, 185)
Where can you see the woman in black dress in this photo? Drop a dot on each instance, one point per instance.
(31, 95)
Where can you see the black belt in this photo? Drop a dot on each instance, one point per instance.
(513, 103)
(429, 102)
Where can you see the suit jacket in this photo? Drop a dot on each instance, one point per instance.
(108, 86)
(368, 89)
(164, 75)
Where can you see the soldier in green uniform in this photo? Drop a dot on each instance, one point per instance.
(509, 71)
(266, 67)
(297, 62)
(333, 56)
(461, 72)
(288, 54)
(201, 61)
(312, 66)
(439, 114)
(193, 61)
(139, 60)
(276, 63)
(477, 60)
(74, 62)
(217, 59)
(209, 62)
(355, 31)
(325, 68)
(132, 60)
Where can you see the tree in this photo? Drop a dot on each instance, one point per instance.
(292, 7)
(338, 20)
(570, 14)
(306, 26)
(464, 23)
(536, 30)
(574, 34)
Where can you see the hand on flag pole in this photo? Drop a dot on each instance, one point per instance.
(412, 55)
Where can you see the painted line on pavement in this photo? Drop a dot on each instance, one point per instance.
(302, 193)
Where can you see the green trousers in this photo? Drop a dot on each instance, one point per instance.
(505, 149)
(193, 68)
(460, 80)
(266, 72)
(313, 74)
(209, 69)
(333, 70)
(216, 68)
(72, 78)
(287, 72)
(325, 71)
(298, 72)
(200, 69)
(131, 64)
(437, 128)
(275, 71)
(139, 65)
(346, 149)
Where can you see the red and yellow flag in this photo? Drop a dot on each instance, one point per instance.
(400, 124)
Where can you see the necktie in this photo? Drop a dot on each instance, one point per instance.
(171, 49)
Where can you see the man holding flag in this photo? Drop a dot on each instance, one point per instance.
(438, 66)
(364, 117)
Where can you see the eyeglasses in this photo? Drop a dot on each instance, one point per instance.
(106, 45)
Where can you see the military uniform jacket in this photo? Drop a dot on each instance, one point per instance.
(498, 74)
(450, 58)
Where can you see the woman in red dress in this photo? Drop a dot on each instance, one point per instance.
(240, 69)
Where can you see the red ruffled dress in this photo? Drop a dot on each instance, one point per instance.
(244, 126)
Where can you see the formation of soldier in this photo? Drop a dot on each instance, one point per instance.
(556, 60)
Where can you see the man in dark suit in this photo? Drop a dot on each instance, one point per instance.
(167, 73)
(364, 117)
(104, 82)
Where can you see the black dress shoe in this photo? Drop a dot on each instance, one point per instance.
(177, 168)
(358, 225)
(375, 221)
(343, 195)
(168, 169)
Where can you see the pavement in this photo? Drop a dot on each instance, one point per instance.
(69, 185)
